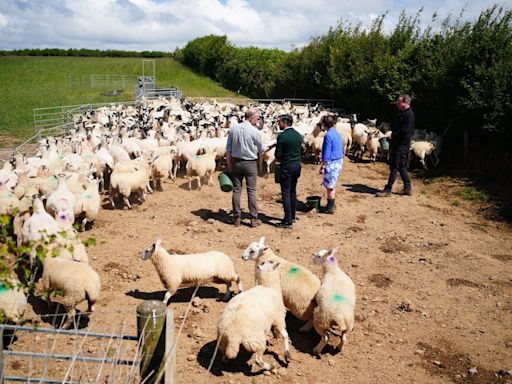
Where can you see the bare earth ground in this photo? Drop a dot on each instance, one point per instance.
(433, 280)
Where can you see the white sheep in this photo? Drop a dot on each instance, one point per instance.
(298, 284)
(13, 301)
(9, 203)
(77, 282)
(359, 138)
(250, 316)
(62, 199)
(175, 270)
(88, 204)
(335, 300)
(40, 225)
(161, 167)
(124, 183)
(200, 166)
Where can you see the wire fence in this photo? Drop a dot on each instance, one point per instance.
(95, 354)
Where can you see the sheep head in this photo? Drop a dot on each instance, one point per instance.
(254, 250)
(148, 252)
(325, 256)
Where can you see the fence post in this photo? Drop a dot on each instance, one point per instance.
(1, 354)
(151, 316)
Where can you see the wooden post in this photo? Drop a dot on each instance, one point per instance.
(1, 354)
(151, 316)
(170, 363)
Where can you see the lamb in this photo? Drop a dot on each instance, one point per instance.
(161, 167)
(40, 225)
(88, 204)
(9, 203)
(124, 183)
(298, 284)
(250, 316)
(175, 270)
(76, 281)
(359, 138)
(13, 301)
(62, 199)
(200, 166)
(336, 300)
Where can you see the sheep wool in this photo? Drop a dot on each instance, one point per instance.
(77, 282)
(299, 285)
(250, 316)
(175, 270)
(13, 301)
(335, 299)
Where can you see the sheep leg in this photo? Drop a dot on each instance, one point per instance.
(227, 295)
(323, 342)
(259, 360)
(342, 341)
(167, 296)
(199, 183)
(239, 284)
(148, 187)
(127, 202)
(284, 334)
(84, 223)
(189, 183)
(70, 320)
(307, 327)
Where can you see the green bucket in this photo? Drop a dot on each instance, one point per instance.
(384, 143)
(226, 185)
(313, 202)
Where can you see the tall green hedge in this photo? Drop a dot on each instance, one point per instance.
(459, 75)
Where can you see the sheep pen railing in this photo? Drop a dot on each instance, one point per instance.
(152, 357)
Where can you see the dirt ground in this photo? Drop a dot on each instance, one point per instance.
(433, 280)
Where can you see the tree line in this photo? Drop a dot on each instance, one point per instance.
(459, 75)
(84, 53)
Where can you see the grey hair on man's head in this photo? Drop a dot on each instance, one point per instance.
(405, 98)
(250, 113)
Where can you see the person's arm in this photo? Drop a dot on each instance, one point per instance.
(229, 148)
(326, 149)
(279, 149)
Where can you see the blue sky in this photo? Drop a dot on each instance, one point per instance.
(164, 25)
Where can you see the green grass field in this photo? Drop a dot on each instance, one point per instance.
(38, 82)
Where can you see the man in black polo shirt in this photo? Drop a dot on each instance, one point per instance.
(288, 157)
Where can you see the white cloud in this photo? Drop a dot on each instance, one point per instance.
(165, 24)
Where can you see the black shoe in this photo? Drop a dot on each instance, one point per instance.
(255, 223)
(405, 192)
(330, 207)
(383, 193)
(284, 225)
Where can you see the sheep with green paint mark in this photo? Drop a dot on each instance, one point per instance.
(298, 284)
(336, 299)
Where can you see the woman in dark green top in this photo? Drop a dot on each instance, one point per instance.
(288, 156)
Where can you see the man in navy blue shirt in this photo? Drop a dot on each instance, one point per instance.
(401, 133)
(332, 161)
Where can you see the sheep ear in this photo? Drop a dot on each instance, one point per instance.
(334, 250)
(262, 241)
(275, 266)
(158, 242)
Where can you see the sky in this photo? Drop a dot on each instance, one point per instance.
(164, 25)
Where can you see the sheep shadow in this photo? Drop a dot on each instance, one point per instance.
(195, 187)
(238, 365)
(181, 296)
(119, 203)
(361, 188)
(305, 341)
(357, 159)
(54, 314)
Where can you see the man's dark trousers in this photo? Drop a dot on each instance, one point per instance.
(290, 174)
(398, 164)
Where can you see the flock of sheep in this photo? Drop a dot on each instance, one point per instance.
(125, 152)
